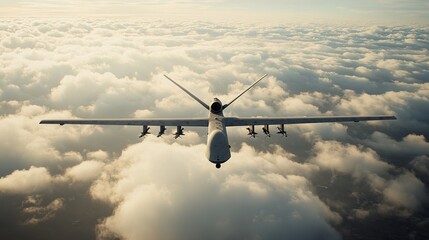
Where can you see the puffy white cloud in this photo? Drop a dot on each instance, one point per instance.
(410, 144)
(296, 107)
(366, 104)
(403, 194)
(31, 144)
(99, 155)
(99, 93)
(317, 132)
(22, 144)
(406, 193)
(179, 189)
(349, 159)
(34, 179)
(85, 172)
(73, 156)
(38, 179)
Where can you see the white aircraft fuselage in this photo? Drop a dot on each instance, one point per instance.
(218, 148)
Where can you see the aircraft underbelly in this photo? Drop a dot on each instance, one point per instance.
(217, 150)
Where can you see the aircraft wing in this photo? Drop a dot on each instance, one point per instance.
(233, 121)
(190, 122)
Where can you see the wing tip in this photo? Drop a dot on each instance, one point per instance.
(51, 122)
(389, 117)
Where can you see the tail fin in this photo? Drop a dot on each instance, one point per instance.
(253, 84)
(189, 93)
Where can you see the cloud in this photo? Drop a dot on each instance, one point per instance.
(349, 159)
(29, 144)
(421, 163)
(18, 129)
(319, 175)
(403, 194)
(99, 155)
(26, 181)
(38, 179)
(407, 193)
(41, 213)
(85, 172)
(412, 144)
(246, 200)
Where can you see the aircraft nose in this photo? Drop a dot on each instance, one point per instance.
(217, 147)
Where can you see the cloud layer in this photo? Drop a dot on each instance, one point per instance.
(191, 201)
(324, 181)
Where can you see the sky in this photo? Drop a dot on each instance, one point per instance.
(332, 11)
(102, 59)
